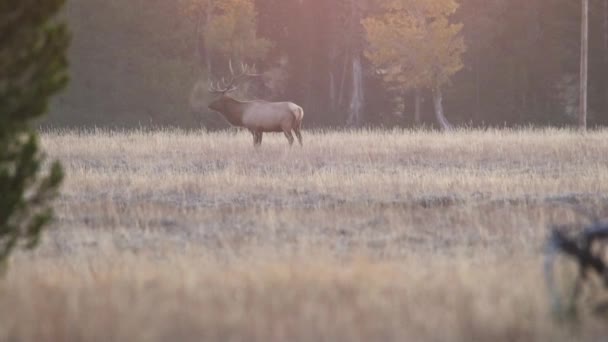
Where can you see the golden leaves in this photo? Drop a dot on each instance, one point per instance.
(413, 44)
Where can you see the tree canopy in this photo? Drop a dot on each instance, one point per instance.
(413, 45)
(415, 48)
(135, 62)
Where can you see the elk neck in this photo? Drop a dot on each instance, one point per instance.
(233, 110)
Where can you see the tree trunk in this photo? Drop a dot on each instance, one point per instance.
(332, 91)
(605, 55)
(417, 107)
(523, 88)
(355, 116)
(477, 112)
(438, 102)
(198, 36)
(606, 31)
(476, 49)
(204, 53)
(356, 102)
(582, 112)
(343, 80)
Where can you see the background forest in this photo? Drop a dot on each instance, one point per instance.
(507, 62)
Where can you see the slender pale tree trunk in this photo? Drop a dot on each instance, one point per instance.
(332, 90)
(582, 112)
(198, 35)
(438, 102)
(333, 93)
(477, 112)
(523, 88)
(355, 116)
(343, 79)
(606, 31)
(204, 18)
(357, 95)
(605, 54)
(418, 107)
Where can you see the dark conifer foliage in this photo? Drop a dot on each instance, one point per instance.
(33, 47)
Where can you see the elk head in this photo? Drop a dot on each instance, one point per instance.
(226, 86)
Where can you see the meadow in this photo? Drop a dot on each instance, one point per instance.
(363, 235)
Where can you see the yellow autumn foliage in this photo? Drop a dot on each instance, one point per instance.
(413, 44)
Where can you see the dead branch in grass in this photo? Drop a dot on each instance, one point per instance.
(587, 249)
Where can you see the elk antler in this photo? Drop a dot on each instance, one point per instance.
(229, 85)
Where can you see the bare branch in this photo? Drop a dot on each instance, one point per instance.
(580, 248)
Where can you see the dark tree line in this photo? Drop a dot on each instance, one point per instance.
(137, 62)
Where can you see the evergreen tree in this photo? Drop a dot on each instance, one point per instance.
(33, 45)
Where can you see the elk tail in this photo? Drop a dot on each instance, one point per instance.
(299, 115)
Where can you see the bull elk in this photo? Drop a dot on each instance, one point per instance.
(257, 116)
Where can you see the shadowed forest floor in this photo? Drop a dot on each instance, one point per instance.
(357, 236)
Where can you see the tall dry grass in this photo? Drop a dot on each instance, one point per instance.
(358, 236)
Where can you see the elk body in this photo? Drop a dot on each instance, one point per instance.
(258, 117)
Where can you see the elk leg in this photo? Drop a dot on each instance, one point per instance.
(299, 135)
(289, 137)
(258, 138)
(255, 137)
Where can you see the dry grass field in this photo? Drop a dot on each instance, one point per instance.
(358, 236)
